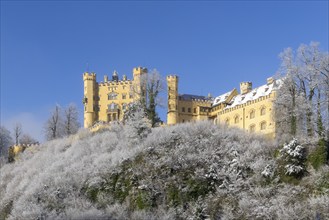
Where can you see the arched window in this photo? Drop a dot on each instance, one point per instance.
(252, 114)
(252, 128)
(263, 125)
(227, 121)
(236, 119)
(263, 111)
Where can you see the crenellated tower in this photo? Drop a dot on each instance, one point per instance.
(172, 115)
(90, 99)
(140, 80)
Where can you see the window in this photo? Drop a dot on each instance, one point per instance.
(252, 114)
(263, 111)
(131, 96)
(263, 125)
(194, 110)
(236, 119)
(112, 106)
(252, 128)
(189, 110)
(124, 96)
(227, 121)
(112, 96)
(183, 109)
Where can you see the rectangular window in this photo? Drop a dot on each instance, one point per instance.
(183, 109)
(124, 96)
(189, 110)
(194, 110)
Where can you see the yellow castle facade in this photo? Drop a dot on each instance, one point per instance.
(249, 109)
(106, 101)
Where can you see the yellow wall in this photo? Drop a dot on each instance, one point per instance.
(193, 110)
(243, 113)
(237, 116)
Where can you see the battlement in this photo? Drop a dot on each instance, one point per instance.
(172, 77)
(139, 70)
(116, 83)
(89, 76)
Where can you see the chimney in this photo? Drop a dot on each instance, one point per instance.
(245, 87)
(270, 80)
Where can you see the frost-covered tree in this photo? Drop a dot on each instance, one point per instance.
(302, 102)
(27, 139)
(71, 121)
(54, 125)
(5, 141)
(17, 132)
(138, 125)
(153, 85)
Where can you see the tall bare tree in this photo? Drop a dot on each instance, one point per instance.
(304, 96)
(71, 121)
(5, 141)
(153, 85)
(53, 126)
(17, 132)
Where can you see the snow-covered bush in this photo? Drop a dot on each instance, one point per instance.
(293, 156)
(186, 171)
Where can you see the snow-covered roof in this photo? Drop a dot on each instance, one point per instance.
(254, 94)
(221, 98)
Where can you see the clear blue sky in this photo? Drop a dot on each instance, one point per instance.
(212, 46)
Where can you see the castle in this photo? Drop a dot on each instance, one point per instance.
(250, 110)
(106, 101)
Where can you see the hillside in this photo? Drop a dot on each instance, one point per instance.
(187, 171)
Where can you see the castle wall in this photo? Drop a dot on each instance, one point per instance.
(192, 110)
(262, 120)
(114, 98)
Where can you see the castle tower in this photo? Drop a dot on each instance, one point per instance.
(89, 99)
(245, 87)
(140, 81)
(172, 115)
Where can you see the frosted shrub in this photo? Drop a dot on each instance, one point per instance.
(137, 125)
(268, 171)
(293, 156)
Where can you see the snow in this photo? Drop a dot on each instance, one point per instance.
(222, 98)
(256, 93)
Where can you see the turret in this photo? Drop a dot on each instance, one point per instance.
(106, 78)
(140, 81)
(89, 99)
(115, 76)
(172, 115)
(245, 87)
